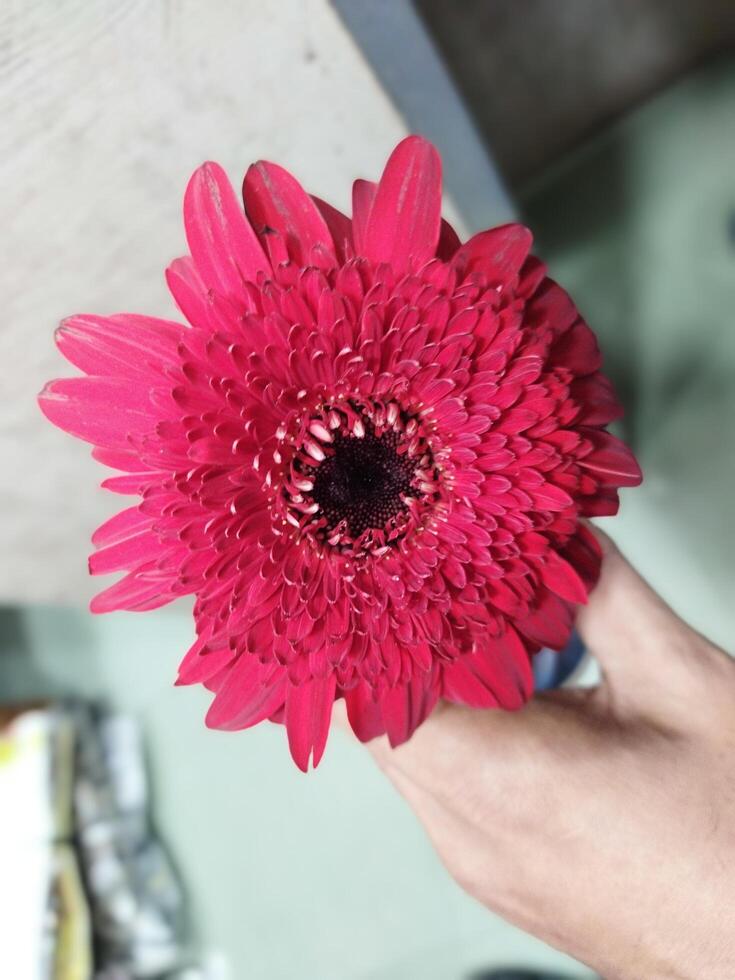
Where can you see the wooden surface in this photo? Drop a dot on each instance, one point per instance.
(107, 107)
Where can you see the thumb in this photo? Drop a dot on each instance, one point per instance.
(641, 644)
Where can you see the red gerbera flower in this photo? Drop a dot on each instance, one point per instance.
(367, 456)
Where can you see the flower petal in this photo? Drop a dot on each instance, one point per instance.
(449, 242)
(224, 247)
(248, 695)
(611, 460)
(584, 554)
(124, 345)
(363, 712)
(130, 552)
(363, 195)
(275, 200)
(340, 228)
(498, 675)
(135, 593)
(562, 578)
(120, 526)
(188, 290)
(121, 459)
(99, 410)
(406, 705)
(406, 213)
(550, 622)
(498, 253)
(200, 663)
(308, 713)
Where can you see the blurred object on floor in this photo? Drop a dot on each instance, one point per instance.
(137, 901)
(44, 916)
(541, 76)
(36, 772)
(85, 878)
(66, 949)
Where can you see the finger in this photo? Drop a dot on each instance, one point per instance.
(430, 761)
(435, 752)
(639, 641)
(465, 757)
(461, 845)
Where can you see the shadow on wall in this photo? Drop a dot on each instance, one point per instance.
(559, 66)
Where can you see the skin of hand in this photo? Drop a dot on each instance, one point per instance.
(600, 820)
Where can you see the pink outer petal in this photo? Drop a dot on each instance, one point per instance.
(584, 554)
(124, 345)
(364, 714)
(406, 213)
(308, 712)
(550, 623)
(576, 348)
(611, 460)
(145, 546)
(597, 399)
(200, 663)
(407, 705)
(131, 483)
(499, 675)
(563, 579)
(498, 253)
(276, 200)
(98, 410)
(224, 247)
(120, 459)
(340, 228)
(134, 593)
(448, 242)
(363, 195)
(604, 503)
(189, 291)
(121, 526)
(248, 695)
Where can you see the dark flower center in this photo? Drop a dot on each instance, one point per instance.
(357, 475)
(364, 481)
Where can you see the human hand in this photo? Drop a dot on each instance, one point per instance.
(600, 820)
